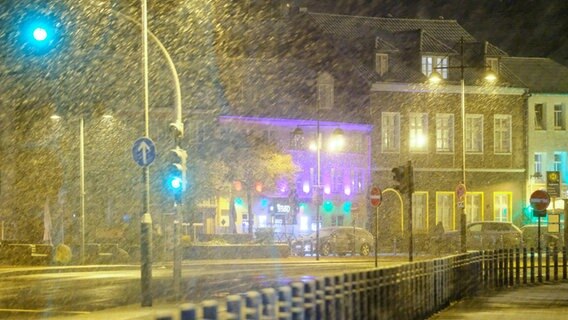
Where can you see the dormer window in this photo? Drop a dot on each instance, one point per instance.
(435, 63)
(381, 63)
(492, 64)
(325, 91)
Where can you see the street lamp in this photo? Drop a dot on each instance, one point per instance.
(336, 142)
(436, 78)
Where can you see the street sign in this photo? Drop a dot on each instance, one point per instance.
(375, 196)
(143, 151)
(540, 200)
(553, 183)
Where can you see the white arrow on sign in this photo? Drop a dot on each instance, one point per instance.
(144, 148)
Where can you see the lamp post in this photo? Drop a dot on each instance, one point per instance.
(435, 77)
(317, 189)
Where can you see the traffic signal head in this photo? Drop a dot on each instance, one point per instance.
(39, 33)
(176, 179)
(400, 176)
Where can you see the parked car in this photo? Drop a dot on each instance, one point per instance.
(530, 235)
(488, 235)
(336, 240)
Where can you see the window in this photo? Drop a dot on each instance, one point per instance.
(437, 63)
(444, 132)
(502, 205)
(420, 211)
(493, 64)
(539, 117)
(337, 180)
(538, 160)
(474, 133)
(357, 181)
(559, 123)
(418, 123)
(325, 91)
(445, 210)
(474, 206)
(557, 161)
(502, 133)
(390, 131)
(337, 220)
(381, 63)
(296, 141)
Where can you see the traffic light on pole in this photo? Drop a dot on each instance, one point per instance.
(177, 173)
(400, 176)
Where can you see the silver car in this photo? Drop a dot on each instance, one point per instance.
(489, 235)
(336, 240)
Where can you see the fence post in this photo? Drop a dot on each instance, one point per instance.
(532, 265)
(349, 293)
(320, 298)
(555, 256)
(188, 311)
(310, 300)
(539, 257)
(525, 266)
(511, 267)
(297, 300)
(234, 306)
(269, 302)
(547, 270)
(329, 290)
(564, 264)
(518, 265)
(285, 303)
(210, 310)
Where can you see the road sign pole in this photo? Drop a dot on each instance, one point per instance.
(377, 237)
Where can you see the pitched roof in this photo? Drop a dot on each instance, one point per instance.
(540, 75)
(448, 31)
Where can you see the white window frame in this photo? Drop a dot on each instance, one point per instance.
(437, 63)
(539, 116)
(538, 166)
(381, 63)
(557, 164)
(444, 132)
(474, 206)
(418, 132)
(420, 211)
(445, 210)
(390, 132)
(502, 134)
(493, 64)
(474, 133)
(559, 117)
(502, 206)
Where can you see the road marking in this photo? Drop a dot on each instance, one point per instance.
(44, 310)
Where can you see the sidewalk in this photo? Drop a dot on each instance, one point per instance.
(549, 301)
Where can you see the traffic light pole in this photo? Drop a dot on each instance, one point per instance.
(177, 237)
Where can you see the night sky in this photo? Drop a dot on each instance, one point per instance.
(531, 28)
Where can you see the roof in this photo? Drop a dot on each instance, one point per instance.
(449, 31)
(539, 75)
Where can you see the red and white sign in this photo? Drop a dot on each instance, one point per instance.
(540, 200)
(460, 191)
(375, 196)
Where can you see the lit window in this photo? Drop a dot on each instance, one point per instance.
(420, 211)
(473, 206)
(557, 162)
(418, 123)
(502, 205)
(493, 64)
(538, 161)
(435, 63)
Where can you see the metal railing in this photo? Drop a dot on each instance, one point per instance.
(411, 291)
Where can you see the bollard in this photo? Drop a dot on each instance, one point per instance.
(269, 303)
(210, 310)
(284, 303)
(253, 304)
(188, 311)
(234, 306)
(310, 300)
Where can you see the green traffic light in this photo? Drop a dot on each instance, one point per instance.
(40, 34)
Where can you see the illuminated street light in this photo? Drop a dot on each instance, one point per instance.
(436, 78)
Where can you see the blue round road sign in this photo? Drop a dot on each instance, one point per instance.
(143, 151)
